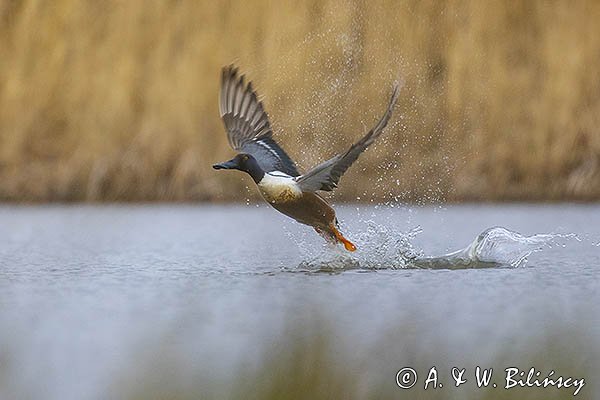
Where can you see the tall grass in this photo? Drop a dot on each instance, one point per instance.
(118, 100)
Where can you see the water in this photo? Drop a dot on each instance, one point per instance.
(99, 301)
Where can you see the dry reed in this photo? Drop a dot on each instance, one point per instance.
(107, 101)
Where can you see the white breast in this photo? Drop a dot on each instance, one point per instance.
(278, 187)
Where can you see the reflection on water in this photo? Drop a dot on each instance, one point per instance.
(111, 302)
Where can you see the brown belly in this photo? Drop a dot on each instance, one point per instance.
(309, 209)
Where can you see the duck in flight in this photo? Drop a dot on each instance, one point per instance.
(279, 182)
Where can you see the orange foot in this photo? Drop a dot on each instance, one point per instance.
(348, 245)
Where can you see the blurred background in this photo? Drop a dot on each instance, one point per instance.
(117, 101)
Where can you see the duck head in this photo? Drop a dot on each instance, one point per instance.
(244, 162)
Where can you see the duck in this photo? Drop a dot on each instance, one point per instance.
(276, 175)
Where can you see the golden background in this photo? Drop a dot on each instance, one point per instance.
(117, 100)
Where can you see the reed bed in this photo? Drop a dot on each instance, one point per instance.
(117, 101)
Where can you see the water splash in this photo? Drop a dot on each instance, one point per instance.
(383, 248)
(494, 247)
(380, 247)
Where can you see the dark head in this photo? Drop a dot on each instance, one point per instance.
(243, 162)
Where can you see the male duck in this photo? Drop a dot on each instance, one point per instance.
(249, 132)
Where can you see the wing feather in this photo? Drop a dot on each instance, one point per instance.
(247, 124)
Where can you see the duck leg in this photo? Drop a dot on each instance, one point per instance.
(334, 236)
(328, 236)
(348, 245)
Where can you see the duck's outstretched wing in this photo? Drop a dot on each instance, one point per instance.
(247, 124)
(326, 176)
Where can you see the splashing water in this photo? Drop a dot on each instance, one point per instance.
(380, 248)
(384, 248)
(494, 247)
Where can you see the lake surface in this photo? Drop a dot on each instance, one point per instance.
(104, 302)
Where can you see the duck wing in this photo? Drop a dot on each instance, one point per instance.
(247, 124)
(326, 175)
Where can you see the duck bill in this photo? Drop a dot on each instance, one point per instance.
(231, 164)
